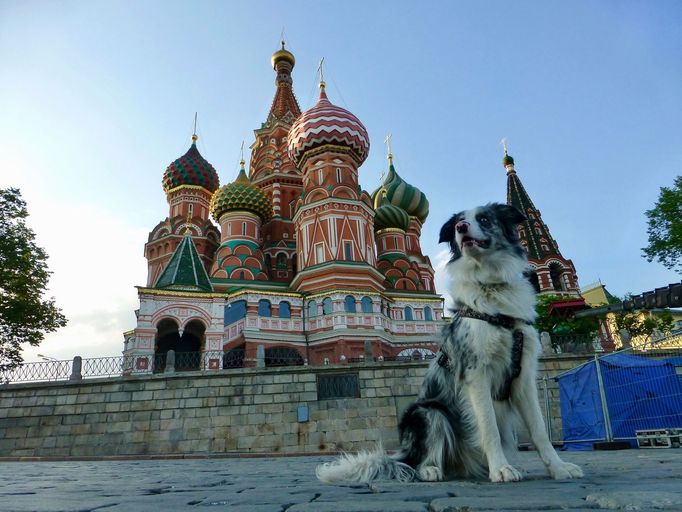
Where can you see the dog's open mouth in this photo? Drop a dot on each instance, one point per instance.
(468, 241)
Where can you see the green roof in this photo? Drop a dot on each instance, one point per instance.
(185, 271)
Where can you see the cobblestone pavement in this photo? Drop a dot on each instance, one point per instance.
(623, 480)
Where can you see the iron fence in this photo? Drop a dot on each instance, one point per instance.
(171, 362)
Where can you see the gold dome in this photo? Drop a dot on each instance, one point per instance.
(283, 54)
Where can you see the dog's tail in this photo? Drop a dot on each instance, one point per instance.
(365, 467)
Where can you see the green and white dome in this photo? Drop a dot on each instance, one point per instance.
(241, 194)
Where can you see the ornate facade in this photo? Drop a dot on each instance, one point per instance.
(303, 262)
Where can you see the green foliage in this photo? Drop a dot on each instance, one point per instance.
(665, 228)
(25, 316)
(581, 327)
(644, 323)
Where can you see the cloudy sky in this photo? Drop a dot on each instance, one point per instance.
(97, 98)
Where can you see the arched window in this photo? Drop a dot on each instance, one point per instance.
(327, 306)
(264, 308)
(268, 262)
(349, 304)
(282, 261)
(312, 309)
(534, 280)
(284, 310)
(408, 313)
(366, 305)
(428, 315)
(555, 276)
(235, 311)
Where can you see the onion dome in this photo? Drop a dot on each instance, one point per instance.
(327, 124)
(283, 55)
(507, 160)
(241, 194)
(191, 169)
(402, 194)
(390, 216)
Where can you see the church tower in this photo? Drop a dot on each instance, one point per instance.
(276, 175)
(553, 274)
(189, 183)
(334, 218)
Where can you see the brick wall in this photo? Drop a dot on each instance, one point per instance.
(248, 410)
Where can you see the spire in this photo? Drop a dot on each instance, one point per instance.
(194, 133)
(535, 233)
(185, 271)
(323, 85)
(389, 155)
(284, 102)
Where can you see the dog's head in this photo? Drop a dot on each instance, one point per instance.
(483, 231)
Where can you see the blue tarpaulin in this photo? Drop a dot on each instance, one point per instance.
(641, 394)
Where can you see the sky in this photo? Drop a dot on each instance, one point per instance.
(97, 98)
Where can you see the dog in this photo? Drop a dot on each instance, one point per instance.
(484, 376)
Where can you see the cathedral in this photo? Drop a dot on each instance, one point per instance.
(299, 264)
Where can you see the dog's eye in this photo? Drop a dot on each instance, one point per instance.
(484, 221)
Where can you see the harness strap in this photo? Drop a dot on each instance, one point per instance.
(506, 322)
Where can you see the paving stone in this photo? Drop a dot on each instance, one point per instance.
(645, 480)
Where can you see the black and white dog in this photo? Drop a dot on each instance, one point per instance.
(484, 376)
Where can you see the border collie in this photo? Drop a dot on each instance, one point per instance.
(484, 376)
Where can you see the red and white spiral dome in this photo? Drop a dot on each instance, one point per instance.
(326, 124)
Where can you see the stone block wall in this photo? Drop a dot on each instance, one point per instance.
(246, 410)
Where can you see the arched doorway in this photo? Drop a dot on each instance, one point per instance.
(187, 346)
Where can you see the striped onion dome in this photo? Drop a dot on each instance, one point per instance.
(390, 216)
(402, 194)
(325, 124)
(191, 169)
(241, 194)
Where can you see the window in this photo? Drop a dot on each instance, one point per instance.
(312, 309)
(190, 209)
(408, 243)
(349, 304)
(428, 315)
(264, 308)
(284, 310)
(243, 228)
(234, 312)
(320, 176)
(408, 313)
(338, 175)
(555, 276)
(366, 305)
(229, 228)
(282, 261)
(348, 251)
(327, 306)
(268, 262)
(319, 253)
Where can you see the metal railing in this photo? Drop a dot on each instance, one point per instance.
(173, 362)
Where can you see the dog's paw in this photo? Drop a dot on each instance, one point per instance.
(505, 473)
(430, 474)
(565, 471)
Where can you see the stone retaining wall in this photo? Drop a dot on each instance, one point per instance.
(246, 410)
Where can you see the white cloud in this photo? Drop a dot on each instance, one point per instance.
(96, 260)
(442, 279)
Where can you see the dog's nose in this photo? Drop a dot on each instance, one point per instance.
(462, 226)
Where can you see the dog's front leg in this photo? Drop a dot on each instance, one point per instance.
(526, 401)
(499, 469)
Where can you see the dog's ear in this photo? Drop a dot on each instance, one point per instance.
(447, 232)
(508, 214)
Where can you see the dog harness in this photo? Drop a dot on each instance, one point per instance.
(506, 322)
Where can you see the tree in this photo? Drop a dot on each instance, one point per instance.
(25, 315)
(585, 328)
(665, 228)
